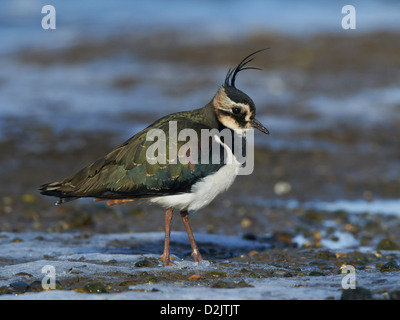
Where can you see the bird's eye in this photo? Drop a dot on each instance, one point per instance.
(236, 110)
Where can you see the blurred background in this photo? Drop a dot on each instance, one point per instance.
(329, 171)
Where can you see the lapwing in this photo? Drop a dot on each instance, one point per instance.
(126, 174)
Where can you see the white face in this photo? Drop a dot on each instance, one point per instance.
(231, 114)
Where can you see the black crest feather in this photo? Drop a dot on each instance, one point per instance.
(232, 73)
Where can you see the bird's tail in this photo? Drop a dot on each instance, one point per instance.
(55, 189)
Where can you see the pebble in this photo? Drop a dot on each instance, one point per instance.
(249, 236)
(35, 286)
(282, 187)
(28, 198)
(220, 284)
(146, 263)
(217, 274)
(223, 284)
(252, 253)
(390, 266)
(358, 293)
(19, 286)
(196, 277)
(283, 273)
(245, 223)
(387, 244)
(395, 295)
(24, 274)
(94, 287)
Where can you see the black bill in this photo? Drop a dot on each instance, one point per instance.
(257, 125)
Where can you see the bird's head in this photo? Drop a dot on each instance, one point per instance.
(234, 108)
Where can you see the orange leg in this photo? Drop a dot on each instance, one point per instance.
(195, 251)
(168, 218)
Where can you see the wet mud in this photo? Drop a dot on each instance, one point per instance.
(316, 152)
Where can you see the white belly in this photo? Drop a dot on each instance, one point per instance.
(205, 190)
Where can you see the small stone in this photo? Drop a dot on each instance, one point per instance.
(358, 293)
(146, 263)
(217, 274)
(395, 295)
(196, 277)
(19, 286)
(252, 253)
(314, 215)
(245, 223)
(282, 187)
(28, 198)
(243, 284)
(249, 236)
(112, 261)
(282, 273)
(316, 274)
(223, 285)
(390, 266)
(24, 274)
(5, 290)
(94, 287)
(35, 286)
(387, 244)
(153, 280)
(220, 284)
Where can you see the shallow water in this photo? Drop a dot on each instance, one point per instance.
(91, 267)
(377, 206)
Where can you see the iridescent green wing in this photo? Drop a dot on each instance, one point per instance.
(144, 167)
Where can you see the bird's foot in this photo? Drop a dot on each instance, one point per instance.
(197, 256)
(166, 261)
